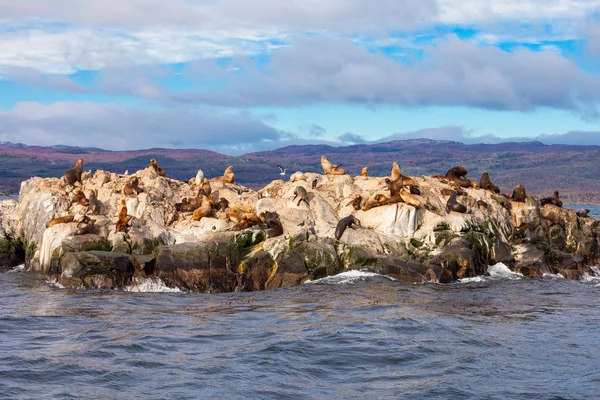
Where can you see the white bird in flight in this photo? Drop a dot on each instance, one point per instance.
(282, 173)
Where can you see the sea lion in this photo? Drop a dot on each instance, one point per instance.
(453, 205)
(486, 183)
(205, 189)
(519, 194)
(300, 192)
(503, 201)
(74, 174)
(81, 199)
(297, 176)
(552, 200)
(205, 210)
(61, 220)
(88, 228)
(408, 198)
(356, 202)
(223, 204)
(95, 204)
(474, 184)
(315, 182)
(131, 187)
(345, 223)
(331, 169)
(375, 201)
(274, 227)
(159, 170)
(482, 205)
(457, 175)
(396, 173)
(583, 213)
(228, 176)
(198, 179)
(123, 217)
(364, 172)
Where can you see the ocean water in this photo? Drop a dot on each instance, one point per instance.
(354, 336)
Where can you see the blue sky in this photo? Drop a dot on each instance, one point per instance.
(238, 75)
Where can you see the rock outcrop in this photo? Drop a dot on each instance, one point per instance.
(396, 239)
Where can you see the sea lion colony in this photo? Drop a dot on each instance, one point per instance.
(402, 189)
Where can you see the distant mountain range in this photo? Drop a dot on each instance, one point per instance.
(573, 170)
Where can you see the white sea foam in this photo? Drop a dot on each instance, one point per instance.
(348, 277)
(18, 268)
(150, 285)
(474, 280)
(548, 275)
(54, 283)
(500, 270)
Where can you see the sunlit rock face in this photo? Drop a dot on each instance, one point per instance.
(220, 252)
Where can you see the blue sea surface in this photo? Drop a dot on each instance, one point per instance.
(353, 336)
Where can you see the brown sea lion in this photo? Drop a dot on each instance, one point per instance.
(552, 200)
(356, 202)
(81, 199)
(74, 174)
(205, 209)
(453, 205)
(457, 175)
(583, 213)
(228, 176)
(331, 169)
(503, 201)
(274, 227)
(482, 205)
(486, 183)
(519, 194)
(408, 198)
(315, 182)
(204, 189)
(61, 220)
(159, 170)
(300, 192)
(223, 204)
(131, 187)
(345, 223)
(123, 217)
(88, 228)
(95, 204)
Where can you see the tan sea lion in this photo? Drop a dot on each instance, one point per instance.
(228, 176)
(61, 220)
(297, 176)
(331, 169)
(453, 205)
(205, 209)
(300, 192)
(159, 170)
(81, 199)
(95, 204)
(131, 187)
(74, 174)
(364, 172)
(345, 223)
(519, 194)
(396, 173)
(409, 198)
(123, 217)
(552, 200)
(486, 183)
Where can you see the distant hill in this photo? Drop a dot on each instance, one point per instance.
(573, 170)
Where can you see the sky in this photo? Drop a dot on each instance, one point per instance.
(237, 76)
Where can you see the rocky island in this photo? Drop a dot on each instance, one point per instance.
(108, 230)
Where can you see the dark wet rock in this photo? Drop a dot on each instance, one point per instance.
(95, 270)
(410, 271)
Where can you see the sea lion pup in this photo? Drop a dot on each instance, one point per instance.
(274, 227)
(457, 175)
(356, 201)
(331, 169)
(519, 194)
(88, 228)
(205, 210)
(408, 198)
(228, 176)
(154, 166)
(552, 200)
(453, 205)
(300, 192)
(297, 176)
(375, 201)
(60, 220)
(345, 223)
(131, 187)
(81, 199)
(95, 204)
(74, 174)
(364, 172)
(486, 183)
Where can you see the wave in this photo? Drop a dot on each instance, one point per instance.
(150, 285)
(496, 272)
(18, 268)
(592, 278)
(349, 277)
(54, 283)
